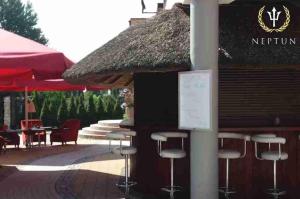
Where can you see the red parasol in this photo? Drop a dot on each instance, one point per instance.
(25, 65)
(23, 57)
(19, 85)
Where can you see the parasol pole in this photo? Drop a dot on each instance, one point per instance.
(26, 106)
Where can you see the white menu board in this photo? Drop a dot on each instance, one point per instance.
(195, 100)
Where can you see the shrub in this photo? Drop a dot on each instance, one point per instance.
(72, 108)
(62, 113)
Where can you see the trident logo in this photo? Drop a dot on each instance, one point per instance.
(274, 16)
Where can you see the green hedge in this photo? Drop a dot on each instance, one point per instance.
(55, 107)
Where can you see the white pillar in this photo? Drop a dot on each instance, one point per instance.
(204, 56)
(7, 110)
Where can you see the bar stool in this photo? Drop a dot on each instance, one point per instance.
(128, 134)
(229, 154)
(170, 154)
(125, 151)
(271, 155)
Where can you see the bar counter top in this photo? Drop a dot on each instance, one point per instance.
(262, 129)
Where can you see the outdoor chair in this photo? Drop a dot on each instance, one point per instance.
(170, 154)
(271, 155)
(229, 154)
(11, 138)
(36, 137)
(67, 132)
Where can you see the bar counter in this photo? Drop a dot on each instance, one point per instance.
(249, 177)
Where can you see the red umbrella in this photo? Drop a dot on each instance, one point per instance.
(23, 57)
(25, 63)
(20, 85)
(40, 85)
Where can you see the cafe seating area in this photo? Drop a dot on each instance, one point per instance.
(67, 132)
(11, 138)
(37, 136)
(33, 131)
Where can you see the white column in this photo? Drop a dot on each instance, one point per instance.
(204, 55)
(7, 110)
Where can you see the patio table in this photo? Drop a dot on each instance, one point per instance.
(35, 130)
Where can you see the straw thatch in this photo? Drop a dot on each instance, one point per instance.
(160, 44)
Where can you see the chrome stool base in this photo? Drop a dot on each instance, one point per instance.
(276, 192)
(172, 190)
(226, 191)
(124, 184)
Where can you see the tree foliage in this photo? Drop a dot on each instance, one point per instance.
(99, 108)
(44, 116)
(56, 107)
(90, 109)
(62, 113)
(21, 19)
(72, 108)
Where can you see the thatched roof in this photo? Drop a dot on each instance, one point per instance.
(159, 44)
(162, 44)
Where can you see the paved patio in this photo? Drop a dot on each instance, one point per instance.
(87, 170)
(84, 171)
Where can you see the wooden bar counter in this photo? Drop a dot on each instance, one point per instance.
(251, 177)
(156, 109)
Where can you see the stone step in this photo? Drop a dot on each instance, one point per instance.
(110, 123)
(85, 134)
(89, 130)
(107, 128)
(99, 130)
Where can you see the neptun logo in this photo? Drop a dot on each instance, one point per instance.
(274, 19)
(274, 16)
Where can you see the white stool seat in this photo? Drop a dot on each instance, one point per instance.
(173, 153)
(274, 155)
(229, 154)
(126, 150)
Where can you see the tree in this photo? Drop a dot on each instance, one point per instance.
(62, 113)
(72, 108)
(81, 112)
(117, 111)
(44, 116)
(37, 98)
(90, 110)
(53, 103)
(21, 19)
(99, 108)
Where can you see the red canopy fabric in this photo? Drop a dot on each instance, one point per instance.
(44, 85)
(20, 56)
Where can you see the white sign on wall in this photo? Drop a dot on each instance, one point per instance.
(195, 100)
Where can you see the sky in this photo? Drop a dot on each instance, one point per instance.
(78, 27)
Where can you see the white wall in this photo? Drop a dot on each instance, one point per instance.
(170, 3)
